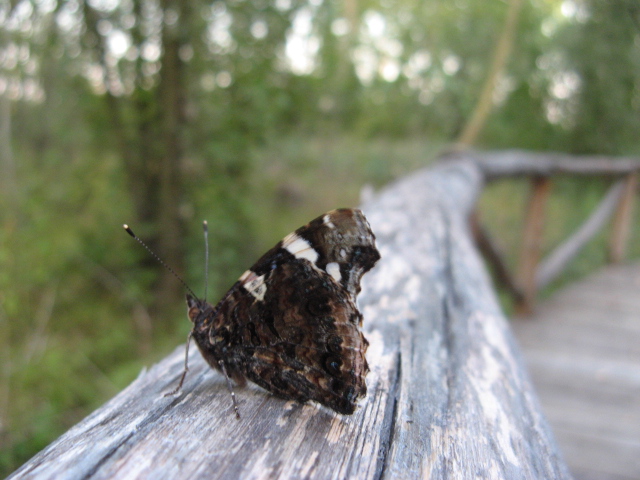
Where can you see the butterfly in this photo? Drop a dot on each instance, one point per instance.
(290, 324)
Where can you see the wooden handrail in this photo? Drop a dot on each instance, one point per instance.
(496, 165)
(534, 274)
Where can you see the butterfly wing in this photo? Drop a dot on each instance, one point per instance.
(291, 324)
(303, 342)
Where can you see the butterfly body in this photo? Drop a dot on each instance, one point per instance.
(290, 324)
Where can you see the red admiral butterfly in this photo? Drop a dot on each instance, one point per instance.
(290, 323)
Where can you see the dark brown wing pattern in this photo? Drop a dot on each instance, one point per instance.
(290, 324)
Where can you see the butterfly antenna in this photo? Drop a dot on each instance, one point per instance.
(154, 255)
(205, 228)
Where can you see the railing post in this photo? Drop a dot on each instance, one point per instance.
(494, 259)
(622, 220)
(532, 242)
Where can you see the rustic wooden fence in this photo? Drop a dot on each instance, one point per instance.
(449, 396)
(534, 273)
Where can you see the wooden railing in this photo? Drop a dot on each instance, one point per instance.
(448, 394)
(534, 273)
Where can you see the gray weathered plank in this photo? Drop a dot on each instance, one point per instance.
(448, 394)
(515, 163)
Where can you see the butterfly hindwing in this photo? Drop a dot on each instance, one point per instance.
(311, 347)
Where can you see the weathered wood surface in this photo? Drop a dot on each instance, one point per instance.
(583, 349)
(448, 393)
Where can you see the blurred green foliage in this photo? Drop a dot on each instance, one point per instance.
(265, 114)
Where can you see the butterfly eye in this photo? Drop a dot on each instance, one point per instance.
(193, 314)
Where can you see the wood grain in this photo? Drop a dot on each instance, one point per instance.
(448, 394)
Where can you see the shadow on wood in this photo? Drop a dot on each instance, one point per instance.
(448, 393)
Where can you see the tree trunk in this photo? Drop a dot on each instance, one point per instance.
(8, 176)
(148, 125)
(172, 103)
(500, 56)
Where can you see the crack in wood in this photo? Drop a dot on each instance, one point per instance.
(107, 456)
(388, 433)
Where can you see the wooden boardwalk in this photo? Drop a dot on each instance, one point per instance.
(582, 347)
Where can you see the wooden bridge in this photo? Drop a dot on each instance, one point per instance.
(448, 393)
(582, 348)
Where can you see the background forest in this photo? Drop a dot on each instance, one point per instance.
(256, 115)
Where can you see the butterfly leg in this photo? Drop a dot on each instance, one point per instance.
(186, 368)
(230, 387)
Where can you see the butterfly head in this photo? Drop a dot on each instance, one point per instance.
(198, 310)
